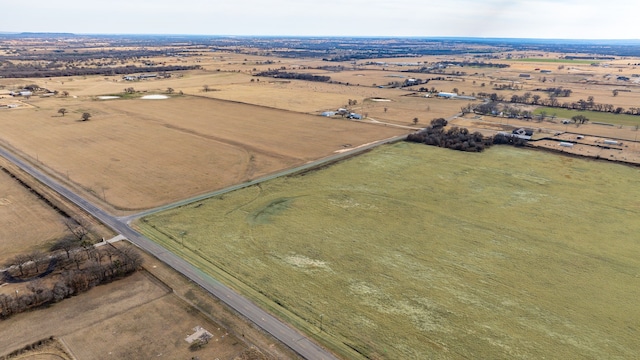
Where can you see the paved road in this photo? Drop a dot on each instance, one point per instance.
(287, 335)
(281, 331)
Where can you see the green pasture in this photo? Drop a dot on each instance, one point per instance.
(417, 252)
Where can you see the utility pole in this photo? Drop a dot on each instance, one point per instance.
(182, 233)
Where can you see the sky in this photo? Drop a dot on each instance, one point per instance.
(546, 19)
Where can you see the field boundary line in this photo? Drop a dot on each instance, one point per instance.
(66, 348)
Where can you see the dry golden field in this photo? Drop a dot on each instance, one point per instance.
(136, 154)
(27, 223)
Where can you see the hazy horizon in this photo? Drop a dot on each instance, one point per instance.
(630, 40)
(515, 19)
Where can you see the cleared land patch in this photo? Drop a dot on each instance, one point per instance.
(419, 252)
(136, 154)
(136, 317)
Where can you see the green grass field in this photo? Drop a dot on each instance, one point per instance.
(566, 61)
(416, 252)
(618, 119)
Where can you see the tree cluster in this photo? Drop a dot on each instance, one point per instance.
(454, 138)
(82, 268)
(479, 64)
(557, 92)
(291, 75)
(507, 139)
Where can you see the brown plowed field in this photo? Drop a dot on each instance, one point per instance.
(137, 154)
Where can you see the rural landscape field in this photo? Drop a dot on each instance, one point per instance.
(412, 252)
(278, 167)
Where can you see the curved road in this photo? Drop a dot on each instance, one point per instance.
(281, 331)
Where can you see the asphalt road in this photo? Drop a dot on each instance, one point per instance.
(298, 342)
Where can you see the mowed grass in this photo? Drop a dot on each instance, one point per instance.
(412, 251)
(618, 119)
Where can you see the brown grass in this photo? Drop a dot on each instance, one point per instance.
(143, 153)
(120, 320)
(26, 222)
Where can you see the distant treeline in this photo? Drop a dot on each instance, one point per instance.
(291, 75)
(572, 57)
(480, 64)
(9, 70)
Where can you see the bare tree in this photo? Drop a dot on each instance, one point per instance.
(131, 257)
(205, 88)
(37, 258)
(67, 244)
(8, 306)
(40, 291)
(78, 257)
(20, 261)
(79, 229)
(536, 99)
(62, 111)
(615, 92)
(60, 291)
(170, 90)
(110, 252)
